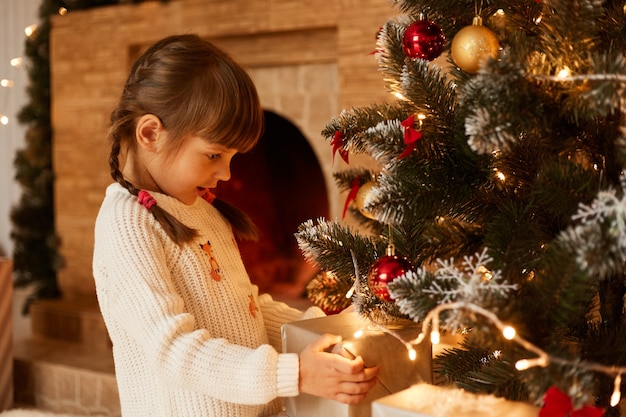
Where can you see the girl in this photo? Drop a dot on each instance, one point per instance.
(191, 335)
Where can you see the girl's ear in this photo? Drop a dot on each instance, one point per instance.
(147, 131)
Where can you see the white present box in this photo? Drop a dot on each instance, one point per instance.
(375, 346)
(425, 400)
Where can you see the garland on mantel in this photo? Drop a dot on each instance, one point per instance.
(36, 257)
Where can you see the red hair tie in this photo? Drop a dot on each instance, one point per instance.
(146, 200)
(207, 195)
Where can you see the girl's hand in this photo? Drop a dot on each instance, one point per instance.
(333, 376)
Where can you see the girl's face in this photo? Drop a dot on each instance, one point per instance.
(197, 164)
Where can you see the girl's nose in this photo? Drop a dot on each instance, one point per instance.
(223, 173)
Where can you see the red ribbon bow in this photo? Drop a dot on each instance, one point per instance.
(206, 195)
(146, 200)
(354, 189)
(337, 144)
(557, 404)
(411, 136)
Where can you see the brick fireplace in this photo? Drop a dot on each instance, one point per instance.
(309, 59)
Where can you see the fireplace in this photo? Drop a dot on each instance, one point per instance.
(279, 184)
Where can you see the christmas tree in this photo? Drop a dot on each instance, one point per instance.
(495, 203)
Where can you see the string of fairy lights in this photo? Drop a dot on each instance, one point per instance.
(7, 81)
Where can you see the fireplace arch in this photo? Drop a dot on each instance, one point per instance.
(279, 184)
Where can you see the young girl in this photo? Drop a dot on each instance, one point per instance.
(191, 335)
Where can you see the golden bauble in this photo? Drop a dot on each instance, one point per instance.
(471, 45)
(361, 197)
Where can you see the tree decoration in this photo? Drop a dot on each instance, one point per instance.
(472, 45)
(411, 136)
(384, 270)
(354, 188)
(362, 198)
(337, 145)
(558, 404)
(423, 39)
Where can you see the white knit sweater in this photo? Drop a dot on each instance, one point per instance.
(191, 335)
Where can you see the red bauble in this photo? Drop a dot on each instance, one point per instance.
(384, 270)
(423, 39)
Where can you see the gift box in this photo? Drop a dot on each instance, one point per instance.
(425, 400)
(375, 346)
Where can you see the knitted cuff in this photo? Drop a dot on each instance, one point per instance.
(288, 374)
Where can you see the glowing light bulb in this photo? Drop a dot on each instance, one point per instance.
(508, 332)
(564, 73)
(30, 30)
(435, 337)
(351, 291)
(4, 120)
(420, 118)
(62, 11)
(6, 83)
(399, 95)
(412, 353)
(617, 395)
(524, 364)
(16, 62)
(486, 274)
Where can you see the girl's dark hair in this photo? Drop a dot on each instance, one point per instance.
(194, 88)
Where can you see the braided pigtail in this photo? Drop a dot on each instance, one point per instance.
(243, 226)
(176, 230)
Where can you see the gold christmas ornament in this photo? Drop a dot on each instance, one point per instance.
(361, 198)
(472, 44)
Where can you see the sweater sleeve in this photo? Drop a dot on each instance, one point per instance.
(148, 322)
(276, 313)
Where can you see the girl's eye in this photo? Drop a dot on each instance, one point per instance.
(214, 156)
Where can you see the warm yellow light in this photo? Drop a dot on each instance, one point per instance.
(564, 73)
(524, 364)
(412, 354)
(6, 83)
(500, 175)
(486, 273)
(16, 62)
(399, 95)
(617, 395)
(358, 334)
(4, 120)
(435, 337)
(62, 11)
(508, 332)
(350, 292)
(30, 30)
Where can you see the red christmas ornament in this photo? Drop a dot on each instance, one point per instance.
(423, 39)
(384, 270)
